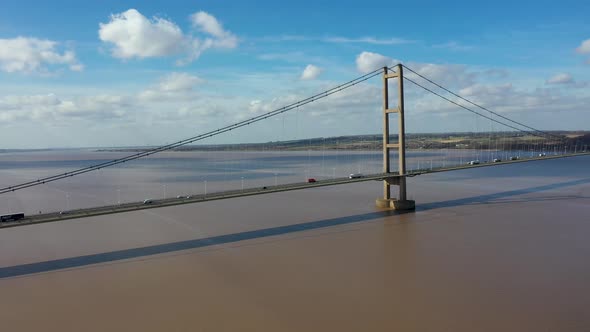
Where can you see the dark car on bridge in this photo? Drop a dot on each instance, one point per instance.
(12, 217)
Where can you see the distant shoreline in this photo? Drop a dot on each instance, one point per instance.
(466, 141)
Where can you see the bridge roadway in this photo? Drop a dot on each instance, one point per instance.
(157, 203)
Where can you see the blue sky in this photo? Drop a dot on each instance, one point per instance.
(108, 73)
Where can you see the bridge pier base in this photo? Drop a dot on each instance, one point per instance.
(396, 204)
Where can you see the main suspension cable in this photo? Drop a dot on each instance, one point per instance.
(193, 139)
(479, 106)
(471, 110)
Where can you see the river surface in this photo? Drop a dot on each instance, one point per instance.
(170, 174)
(491, 249)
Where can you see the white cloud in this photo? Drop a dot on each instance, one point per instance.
(311, 72)
(34, 55)
(179, 107)
(584, 47)
(450, 75)
(362, 103)
(172, 86)
(102, 106)
(541, 108)
(258, 107)
(506, 98)
(447, 74)
(77, 67)
(566, 80)
(368, 61)
(135, 36)
(209, 24)
(562, 78)
(171, 98)
(50, 107)
(179, 82)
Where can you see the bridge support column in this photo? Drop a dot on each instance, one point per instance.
(402, 203)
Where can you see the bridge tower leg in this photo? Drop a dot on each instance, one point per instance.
(402, 203)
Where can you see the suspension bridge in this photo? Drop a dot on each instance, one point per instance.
(241, 169)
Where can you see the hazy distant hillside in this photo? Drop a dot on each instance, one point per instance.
(489, 140)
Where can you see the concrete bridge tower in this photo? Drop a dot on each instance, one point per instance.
(401, 203)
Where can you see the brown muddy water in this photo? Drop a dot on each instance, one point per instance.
(494, 249)
(171, 174)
